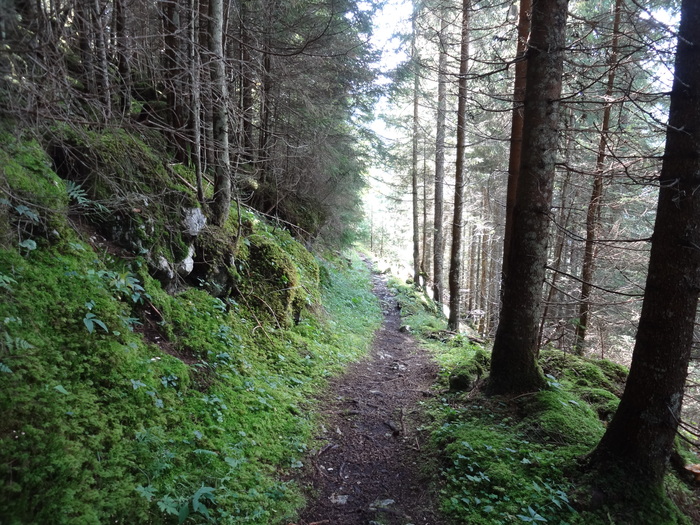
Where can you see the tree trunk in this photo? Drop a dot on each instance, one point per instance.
(457, 220)
(206, 93)
(438, 243)
(196, 100)
(485, 260)
(222, 180)
(414, 159)
(265, 136)
(640, 437)
(123, 56)
(175, 57)
(564, 216)
(516, 133)
(84, 30)
(472, 257)
(514, 367)
(425, 246)
(102, 69)
(247, 87)
(594, 205)
(494, 282)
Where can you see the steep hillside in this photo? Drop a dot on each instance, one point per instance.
(521, 459)
(153, 368)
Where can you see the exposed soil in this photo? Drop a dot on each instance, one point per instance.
(368, 469)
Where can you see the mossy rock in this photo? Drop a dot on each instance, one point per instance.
(413, 301)
(123, 185)
(560, 417)
(466, 375)
(604, 402)
(324, 275)
(36, 200)
(216, 262)
(27, 171)
(585, 372)
(276, 278)
(308, 290)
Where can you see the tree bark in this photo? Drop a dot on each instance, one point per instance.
(222, 180)
(123, 56)
(485, 260)
(640, 437)
(438, 242)
(265, 136)
(514, 368)
(594, 205)
(85, 31)
(425, 246)
(516, 132)
(560, 238)
(460, 170)
(102, 68)
(247, 88)
(414, 159)
(472, 256)
(196, 99)
(175, 58)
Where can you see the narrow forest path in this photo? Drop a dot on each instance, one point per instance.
(369, 469)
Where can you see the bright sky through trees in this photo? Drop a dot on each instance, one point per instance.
(392, 27)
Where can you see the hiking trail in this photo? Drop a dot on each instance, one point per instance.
(369, 469)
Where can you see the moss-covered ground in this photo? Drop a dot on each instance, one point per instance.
(521, 460)
(122, 403)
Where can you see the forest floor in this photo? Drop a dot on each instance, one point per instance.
(368, 468)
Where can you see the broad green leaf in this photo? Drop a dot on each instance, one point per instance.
(29, 244)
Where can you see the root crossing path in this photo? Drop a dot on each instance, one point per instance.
(369, 469)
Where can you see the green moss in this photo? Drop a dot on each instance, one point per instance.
(585, 372)
(324, 276)
(130, 192)
(108, 426)
(604, 402)
(558, 416)
(35, 202)
(277, 284)
(280, 277)
(66, 422)
(598, 382)
(609, 495)
(413, 301)
(26, 169)
(465, 375)
(493, 474)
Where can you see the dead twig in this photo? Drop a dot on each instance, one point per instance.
(329, 446)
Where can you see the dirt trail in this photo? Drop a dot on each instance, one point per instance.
(369, 470)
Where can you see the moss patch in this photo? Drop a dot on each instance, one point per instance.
(111, 428)
(466, 375)
(131, 405)
(35, 198)
(122, 183)
(520, 460)
(598, 382)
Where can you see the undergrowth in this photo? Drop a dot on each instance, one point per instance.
(122, 403)
(520, 460)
